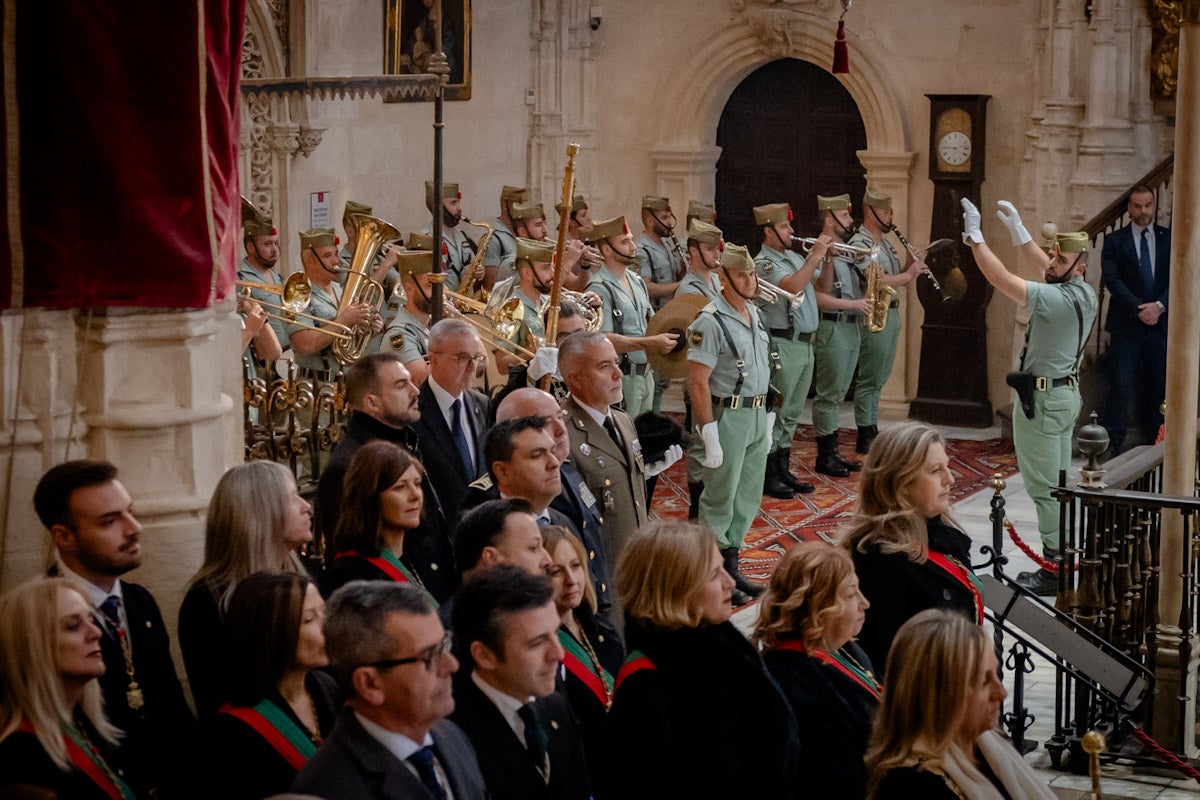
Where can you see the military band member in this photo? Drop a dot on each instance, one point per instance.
(408, 333)
(383, 268)
(351, 208)
(261, 242)
(662, 262)
(460, 248)
(705, 212)
(504, 238)
(877, 350)
(1061, 313)
(580, 221)
(729, 372)
(531, 285)
(312, 346)
(529, 222)
(579, 224)
(791, 326)
(836, 344)
(626, 307)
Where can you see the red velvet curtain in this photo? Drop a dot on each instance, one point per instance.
(124, 148)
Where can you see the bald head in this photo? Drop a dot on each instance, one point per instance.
(530, 402)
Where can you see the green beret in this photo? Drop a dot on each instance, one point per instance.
(533, 250)
(839, 202)
(698, 210)
(1073, 242)
(773, 214)
(254, 223)
(318, 237)
(449, 192)
(354, 208)
(736, 258)
(877, 199)
(701, 231)
(414, 262)
(419, 241)
(577, 204)
(606, 230)
(531, 211)
(656, 203)
(513, 193)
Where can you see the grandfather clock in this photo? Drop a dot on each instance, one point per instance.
(952, 386)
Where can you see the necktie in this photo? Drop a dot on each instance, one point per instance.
(110, 616)
(611, 427)
(543, 522)
(1144, 265)
(422, 761)
(536, 737)
(460, 439)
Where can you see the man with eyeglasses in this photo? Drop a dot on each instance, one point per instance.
(524, 732)
(392, 657)
(453, 416)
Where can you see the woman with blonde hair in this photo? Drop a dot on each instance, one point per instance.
(54, 738)
(935, 735)
(807, 622)
(695, 713)
(257, 522)
(908, 551)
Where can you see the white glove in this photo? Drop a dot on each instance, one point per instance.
(770, 424)
(544, 362)
(673, 454)
(713, 454)
(971, 221)
(1012, 220)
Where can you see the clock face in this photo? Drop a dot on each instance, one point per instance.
(954, 148)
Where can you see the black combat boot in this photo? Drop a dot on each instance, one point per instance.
(773, 483)
(740, 584)
(694, 492)
(784, 456)
(828, 462)
(1041, 582)
(851, 466)
(866, 435)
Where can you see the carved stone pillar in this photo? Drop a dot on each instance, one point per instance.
(155, 386)
(685, 174)
(284, 141)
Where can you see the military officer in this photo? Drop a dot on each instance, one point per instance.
(504, 239)
(837, 341)
(261, 242)
(729, 372)
(408, 333)
(460, 248)
(1061, 313)
(626, 306)
(877, 350)
(791, 326)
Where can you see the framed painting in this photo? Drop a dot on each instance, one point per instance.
(409, 31)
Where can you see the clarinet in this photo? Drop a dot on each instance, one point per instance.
(912, 251)
(683, 259)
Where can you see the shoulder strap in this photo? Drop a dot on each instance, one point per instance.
(614, 312)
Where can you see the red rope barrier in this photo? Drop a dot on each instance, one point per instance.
(1163, 754)
(1049, 566)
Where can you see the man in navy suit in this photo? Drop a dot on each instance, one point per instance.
(392, 658)
(525, 736)
(1136, 263)
(453, 415)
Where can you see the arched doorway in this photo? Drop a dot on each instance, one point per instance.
(789, 132)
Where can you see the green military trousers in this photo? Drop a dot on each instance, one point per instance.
(733, 491)
(638, 392)
(835, 352)
(792, 381)
(1043, 447)
(875, 357)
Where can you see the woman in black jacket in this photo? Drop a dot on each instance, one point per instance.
(695, 713)
(908, 551)
(809, 617)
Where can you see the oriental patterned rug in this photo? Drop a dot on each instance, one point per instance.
(782, 523)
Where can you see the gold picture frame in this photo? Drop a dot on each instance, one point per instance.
(408, 42)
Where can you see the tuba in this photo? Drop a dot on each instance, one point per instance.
(468, 285)
(360, 286)
(880, 295)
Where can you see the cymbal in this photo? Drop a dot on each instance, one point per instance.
(674, 317)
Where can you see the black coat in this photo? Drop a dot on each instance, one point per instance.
(202, 643)
(24, 766)
(834, 713)
(429, 544)
(707, 722)
(357, 568)
(440, 455)
(590, 709)
(898, 588)
(508, 771)
(250, 768)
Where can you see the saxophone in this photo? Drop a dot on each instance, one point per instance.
(468, 286)
(880, 295)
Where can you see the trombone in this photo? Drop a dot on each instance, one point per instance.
(840, 249)
(295, 294)
(504, 321)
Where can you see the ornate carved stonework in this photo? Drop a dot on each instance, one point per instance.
(740, 5)
(279, 15)
(261, 190)
(776, 22)
(310, 137)
(284, 137)
(1164, 54)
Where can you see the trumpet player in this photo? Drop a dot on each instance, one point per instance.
(408, 333)
(791, 325)
(460, 248)
(877, 350)
(579, 224)
(529, 222)
(312, 346)
(261, 242)
(504, 238)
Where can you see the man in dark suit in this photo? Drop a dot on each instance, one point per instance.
(1136, 267)
(525, 736)
(453, 417)
(391, 656)
(90, 518)
(383, 405)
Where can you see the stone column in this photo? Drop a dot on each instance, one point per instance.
(284, 141)
(684, 174)
(1177, 640)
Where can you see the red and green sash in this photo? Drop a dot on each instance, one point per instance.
(87, 759)
(848, 667)
(580, 664)
(636, 661)
(964, 576)
(278, 729)
(386, 562)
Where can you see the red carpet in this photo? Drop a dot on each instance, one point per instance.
(782, 523)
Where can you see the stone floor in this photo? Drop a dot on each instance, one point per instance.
(1117, 782)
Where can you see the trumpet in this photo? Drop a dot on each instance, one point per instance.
(503, 321)
(770, 293)
(840, 249)
(294, 295)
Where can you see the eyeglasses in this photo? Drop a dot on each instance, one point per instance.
(462, 359)
(430, 656)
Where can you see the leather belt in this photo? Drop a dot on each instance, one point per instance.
(740, 401)
(840, 316)
(1045, 384)
(783, 333)
(634, 369)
